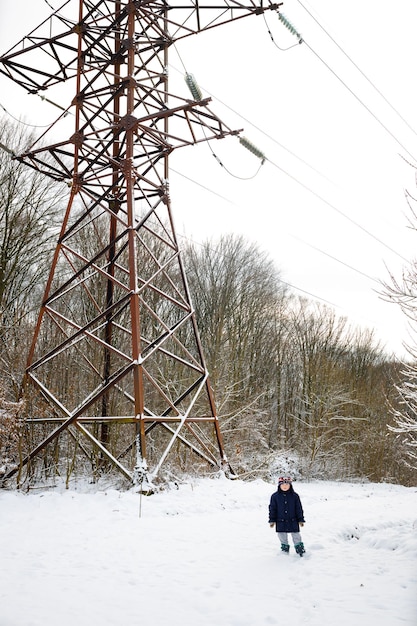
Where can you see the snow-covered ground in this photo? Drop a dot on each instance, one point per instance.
(204, 555)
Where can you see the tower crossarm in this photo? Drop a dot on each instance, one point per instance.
(50, 54)
(192, 123)
(116, 335)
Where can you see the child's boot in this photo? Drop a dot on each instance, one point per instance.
(299, 548)
(285, 548)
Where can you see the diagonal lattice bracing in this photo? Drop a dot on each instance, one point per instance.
(116, 351)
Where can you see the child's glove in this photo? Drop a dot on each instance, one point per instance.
(301, 524)
(272, 524)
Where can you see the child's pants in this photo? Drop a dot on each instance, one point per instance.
(283, 537)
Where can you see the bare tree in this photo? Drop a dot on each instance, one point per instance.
(403, 293)
(405, 415)
(288, 373)
(30, 206)
(237, 292)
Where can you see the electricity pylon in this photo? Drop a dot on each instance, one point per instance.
(116, 351)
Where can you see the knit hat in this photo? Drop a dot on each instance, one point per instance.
(282, 480)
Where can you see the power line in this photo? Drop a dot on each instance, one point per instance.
(245, 119)
(308, 188)
(295, 287)
(299, 289)
(299, 182)
(228, 170)
(335, 259)
(171, 169)
(311, 167)
(284, 282)
(308, 293)
(359, 69)
(332, 206)
(373, 279)
(303, 40)
(292, 153)
(376, 118)
(21, 121)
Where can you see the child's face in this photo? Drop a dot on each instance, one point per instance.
(285, 486)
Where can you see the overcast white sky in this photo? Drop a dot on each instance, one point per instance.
(344, 142)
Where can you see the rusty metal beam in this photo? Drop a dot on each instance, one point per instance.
(116, 341)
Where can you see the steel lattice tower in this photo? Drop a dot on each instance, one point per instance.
(116, 351)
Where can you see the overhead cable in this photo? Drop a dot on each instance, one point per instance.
(375, 280)
(360, 101)
(245, 119)
(309, 294)
(19, 121)
(171, 169)
(332, 206)
(298, 238)
(359, 69)
(299, 182)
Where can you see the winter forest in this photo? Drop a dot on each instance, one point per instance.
(289, 376)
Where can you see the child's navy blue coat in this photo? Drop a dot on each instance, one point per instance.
(286, 511)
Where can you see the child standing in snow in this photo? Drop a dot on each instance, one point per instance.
(286, 514)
